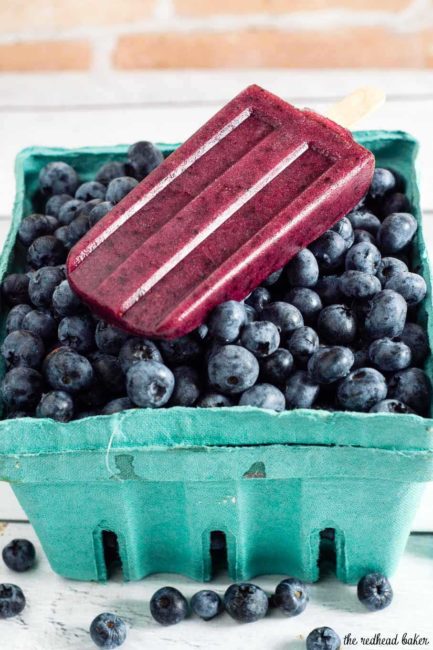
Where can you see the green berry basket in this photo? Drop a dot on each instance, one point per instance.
(163, 481)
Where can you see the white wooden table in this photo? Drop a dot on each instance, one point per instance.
(76, 110)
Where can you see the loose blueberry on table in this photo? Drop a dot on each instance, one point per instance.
(108, 631)
(375, 591)
(246, 602)
(12, 600)
(168, 606)
(19, 555)
(323, 638)
(207, 604)
(337, 326)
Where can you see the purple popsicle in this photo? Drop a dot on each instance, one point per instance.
(258, 182)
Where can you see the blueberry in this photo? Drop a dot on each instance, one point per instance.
(261, 338)
(58, 178)
(361, 390)
(15, 288)
(337, 324)
(21, 389)
(226, 321)
(90, 190)
(259, 298)
(411, 286)
(250, 312)
(143, 158)
(246, 602)
(108, 338)
(46, 251)
(386, 315)
(277, 367)
(99, 211)
(87, 208)
(109, 171)
(41, 323)
(360, 235)
(357, 284)
(396, 202)
(390, 406)
(233, 369)
(117, 405)
(65, 369)
(168, 606)
(78, 228)
(361, 357)
(328, 288)
(12, 600)
(303, 270)
(214, 400)
(323, 638)
(69, 211)
(300, 391)
(108, 631)
(108, 372)
(389, 355)
(291, 596)
(119, 188)
(363, 257)
(388, 267)
(186, 388)
(56, 405)
(396, 232)
(184, 349)
(138, 349)
(412, 387)
(307, 301)
(329, 364)
(15, 317)
(64, 301)
(35, 226)
(364, 220)
(344, 229)
(303, 342)
(149, 384)
(19, 555)
(265, 396)
(416, 338)
(383, 181)
(272, 278)
(77, 333)
(42, 285)
(286, 317)
(207, 604)
(375, 591)
(329, 250)
(54, 203)
(65, 237)
(23, 349)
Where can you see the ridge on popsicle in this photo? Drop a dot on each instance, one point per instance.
(255, 184)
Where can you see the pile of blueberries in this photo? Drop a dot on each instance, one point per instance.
(244, 602)
(335, 329)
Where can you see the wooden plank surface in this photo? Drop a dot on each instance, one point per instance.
(76, 110)
(59, 612)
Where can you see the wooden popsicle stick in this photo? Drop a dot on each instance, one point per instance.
(363, 101)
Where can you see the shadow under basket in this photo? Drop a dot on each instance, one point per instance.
(192, 491)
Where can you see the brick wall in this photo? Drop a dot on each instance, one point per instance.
(41, 35)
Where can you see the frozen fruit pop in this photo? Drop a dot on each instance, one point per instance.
(258, 182)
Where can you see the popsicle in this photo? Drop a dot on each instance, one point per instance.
(258, 182)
